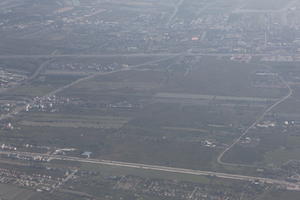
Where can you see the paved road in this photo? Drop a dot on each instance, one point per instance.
(288, 185)
(32, 77)
(127, 55)
(39, 70)
(19, 109)
(176, 9)
(290, 93)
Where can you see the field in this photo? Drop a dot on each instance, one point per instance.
(274, 147)
(276, 194)
(74, 121)
(266, 4)
(92, 90)
(10, 192)
(120, 116)
(170, 112)
(125, 180)
(210, 97)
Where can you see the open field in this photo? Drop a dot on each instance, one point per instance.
(11, 192)
(210, 97)
(273, 146)
(171, 77)
(266, 4)
(185, 129)
(106, 177)
(116, 115)
(74, 121)
(276, 194)
(149, 100)
(40, 87)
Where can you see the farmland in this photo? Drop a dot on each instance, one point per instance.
(149, 100)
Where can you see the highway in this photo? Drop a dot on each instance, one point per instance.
(287, 185)
(37, 56)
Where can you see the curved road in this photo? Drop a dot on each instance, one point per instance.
(290, 93)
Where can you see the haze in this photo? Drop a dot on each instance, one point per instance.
(149, 100)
